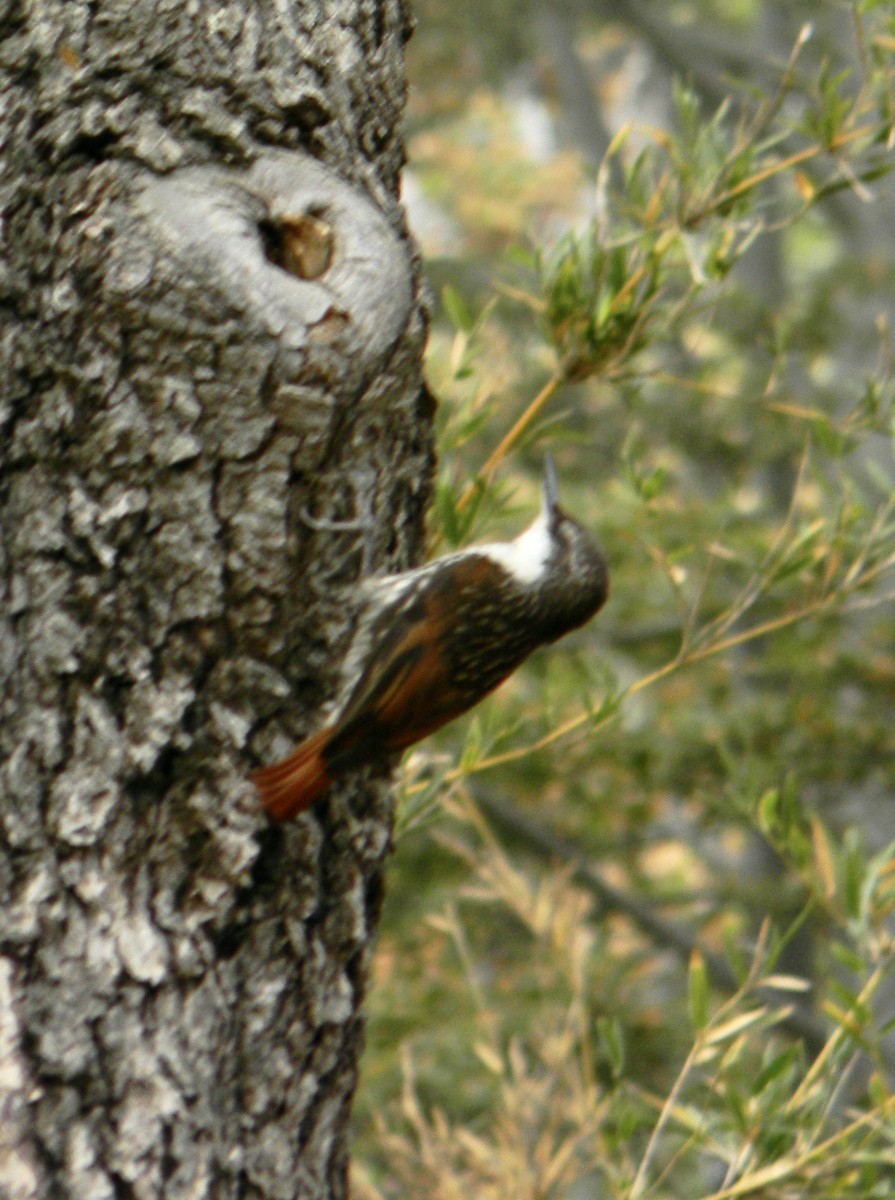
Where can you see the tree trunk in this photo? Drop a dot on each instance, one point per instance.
(211, 422)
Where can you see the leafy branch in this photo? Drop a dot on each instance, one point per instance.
(686, 213)
(794, 550)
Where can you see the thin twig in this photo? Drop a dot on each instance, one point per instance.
(509, 440)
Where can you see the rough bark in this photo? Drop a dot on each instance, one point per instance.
(211, 421)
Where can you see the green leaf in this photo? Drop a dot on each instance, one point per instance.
(698, 991)
(456, 309)
(612, 1043)
(776, 1067)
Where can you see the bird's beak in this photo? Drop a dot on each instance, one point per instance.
(550, 489)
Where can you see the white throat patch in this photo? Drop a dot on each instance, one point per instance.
(526, 558)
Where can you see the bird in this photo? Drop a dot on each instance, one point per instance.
(432, 641)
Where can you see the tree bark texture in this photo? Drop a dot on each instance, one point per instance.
(212, 421)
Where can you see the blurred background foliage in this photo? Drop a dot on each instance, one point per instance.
(637, 940)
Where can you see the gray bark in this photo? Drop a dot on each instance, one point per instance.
(211, 421)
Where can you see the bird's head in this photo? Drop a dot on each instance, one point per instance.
(574, 576)
(558, 559)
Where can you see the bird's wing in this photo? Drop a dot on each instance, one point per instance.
(406, 690)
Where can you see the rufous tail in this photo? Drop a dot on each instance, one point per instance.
(290, 786)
